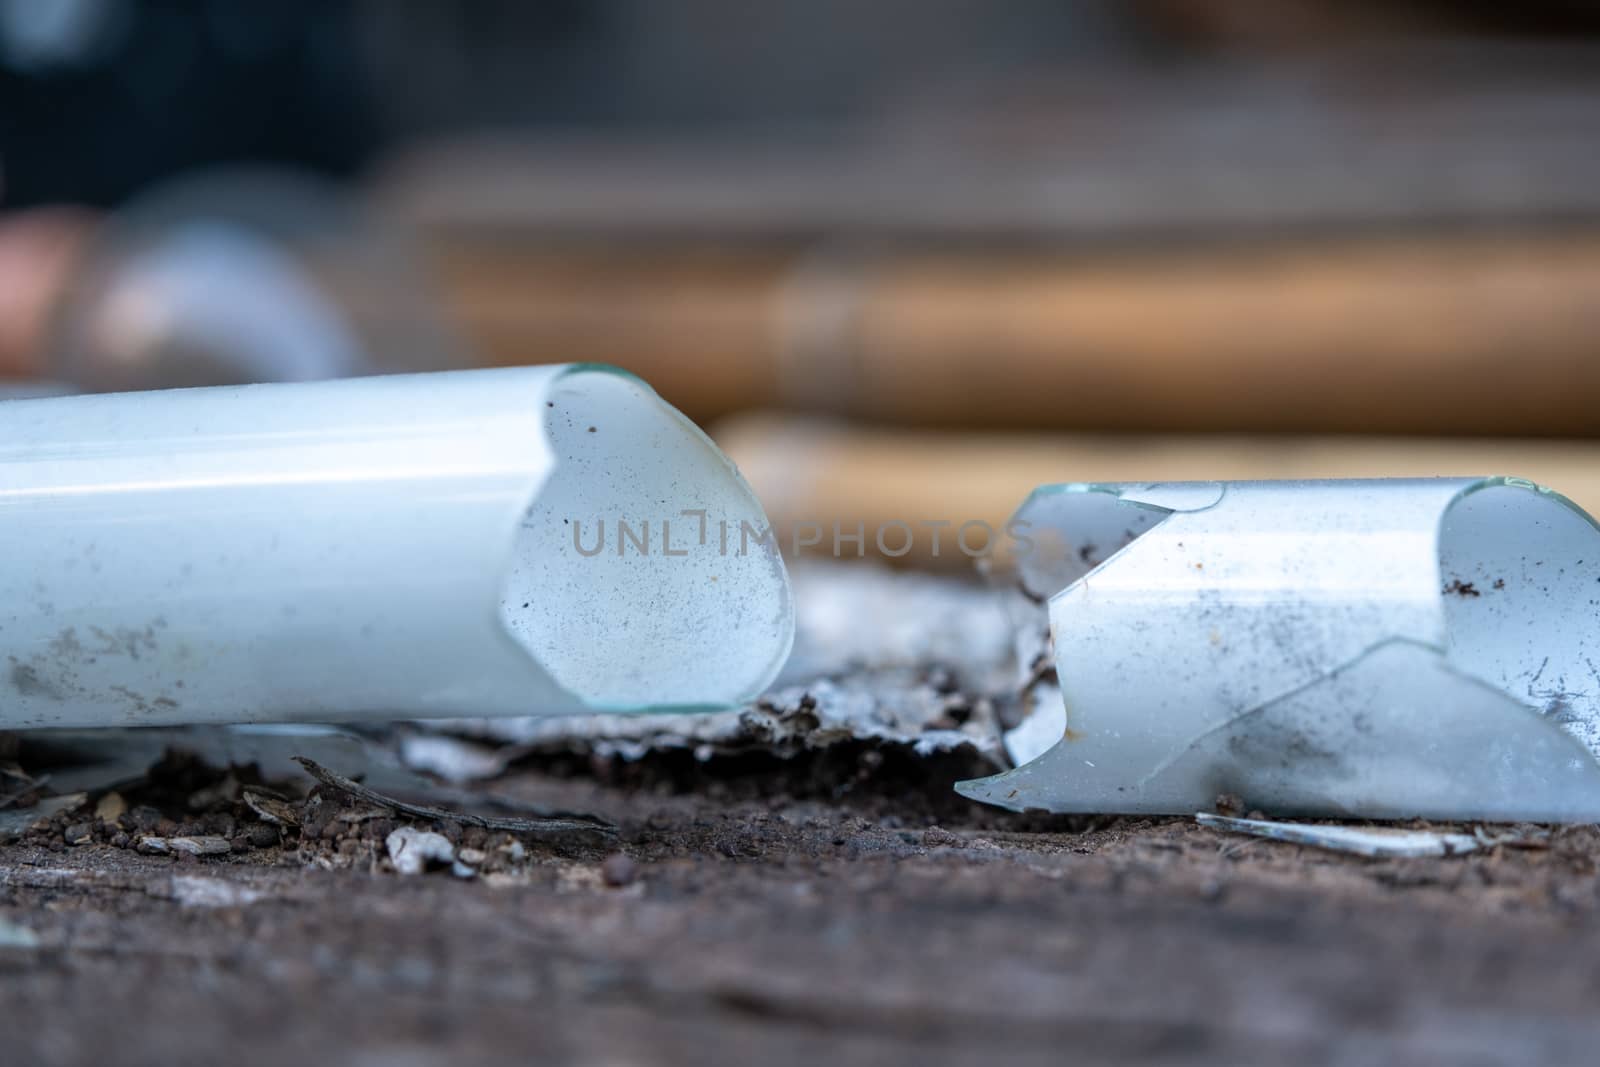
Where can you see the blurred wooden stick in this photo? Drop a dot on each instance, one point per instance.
(816, 471)
(1463, 334)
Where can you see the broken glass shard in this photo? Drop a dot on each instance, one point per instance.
(1375, 648)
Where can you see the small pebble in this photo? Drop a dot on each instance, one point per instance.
(413, 851)
(111, 807)
(270, 809)
(14, 936)
(1229, 804)
(201, 845)
(619, 869)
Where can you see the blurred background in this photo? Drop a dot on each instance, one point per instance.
(905, 259)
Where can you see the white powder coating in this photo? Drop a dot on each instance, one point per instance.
(374, 548)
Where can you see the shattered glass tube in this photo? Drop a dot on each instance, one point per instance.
(1380, 648)
(394, 547)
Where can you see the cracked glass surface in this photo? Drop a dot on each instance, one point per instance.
(1382, 648)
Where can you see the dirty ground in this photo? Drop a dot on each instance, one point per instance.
(843, 904)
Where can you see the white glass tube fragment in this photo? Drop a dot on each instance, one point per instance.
(1375, 648)
(394, 547)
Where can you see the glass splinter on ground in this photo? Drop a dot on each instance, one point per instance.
(1372, 648)
(1371, 841)
(376, 548)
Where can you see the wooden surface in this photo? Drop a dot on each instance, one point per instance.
(841, 914)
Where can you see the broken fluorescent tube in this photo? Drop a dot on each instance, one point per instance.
(1372, 648)
(393, 547)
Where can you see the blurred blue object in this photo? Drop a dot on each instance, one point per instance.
(243, 276)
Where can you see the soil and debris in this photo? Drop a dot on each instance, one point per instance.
(843, 903)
